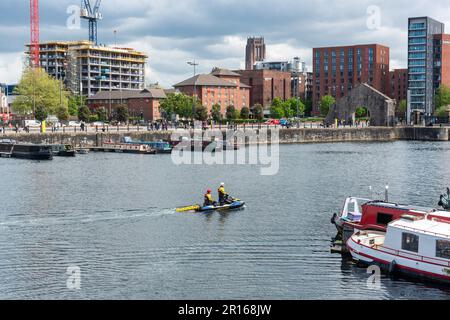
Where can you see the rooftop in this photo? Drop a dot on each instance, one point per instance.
(205, 80)
(130, 94)
(424, 226)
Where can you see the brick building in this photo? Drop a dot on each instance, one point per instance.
(140, 103)
(337, 70)
(398, 84)
(267, 85)
(221, 86)
(255, 51)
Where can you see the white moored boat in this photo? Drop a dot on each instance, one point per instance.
(414, 246)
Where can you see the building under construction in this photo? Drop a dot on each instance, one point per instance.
(87, 68)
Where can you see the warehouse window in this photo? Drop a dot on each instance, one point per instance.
(410, 242)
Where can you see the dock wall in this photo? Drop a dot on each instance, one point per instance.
(287, 136)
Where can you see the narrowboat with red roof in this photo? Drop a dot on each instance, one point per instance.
(412, 246)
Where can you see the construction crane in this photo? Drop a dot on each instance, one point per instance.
(34, 28)
(92, 14)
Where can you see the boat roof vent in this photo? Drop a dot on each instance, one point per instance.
(411, 217)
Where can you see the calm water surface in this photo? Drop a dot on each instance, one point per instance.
(112, 215)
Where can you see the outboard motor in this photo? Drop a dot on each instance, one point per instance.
(444, 201)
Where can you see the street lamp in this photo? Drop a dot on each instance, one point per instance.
(194, 64)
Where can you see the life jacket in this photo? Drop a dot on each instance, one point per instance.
(222, 193)
(208, 198)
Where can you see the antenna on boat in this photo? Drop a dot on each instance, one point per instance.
(386, 193)
(371, 192)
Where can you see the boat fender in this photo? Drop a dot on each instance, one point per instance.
(392, 267)
(333, 219)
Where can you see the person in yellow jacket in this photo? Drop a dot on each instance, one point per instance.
(224, 198)
(209, 199)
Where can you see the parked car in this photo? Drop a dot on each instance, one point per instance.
(273, 122)
(74, 124)
(31, 123)
(285, 123)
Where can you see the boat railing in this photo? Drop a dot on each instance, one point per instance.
(413, 256)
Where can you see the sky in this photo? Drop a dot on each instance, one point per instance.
(214, 32)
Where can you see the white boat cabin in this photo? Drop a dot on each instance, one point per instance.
(352, 210)
(419, 238)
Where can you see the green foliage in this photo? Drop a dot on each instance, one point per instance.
(231, 113)
(74, 103)
(294, 107)
(179, 104)
(277, 112)
(40, 113)
(361, 112)
(245, 113)
(93, 118)
(37, 89)
(84, 114)
(258, 112)
(201, 113)
(402, 106)
(216, 113)
(442, 97)
(325, 104)
(102, 114)
(121, 114)
(442, 111)
(62, 114)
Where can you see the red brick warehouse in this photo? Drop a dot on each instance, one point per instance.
(337, 70)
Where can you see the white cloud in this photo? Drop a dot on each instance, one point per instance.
(214, 32)
(11, 66)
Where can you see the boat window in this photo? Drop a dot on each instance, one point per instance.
(410, 242)
(443, 249)
(384, 218)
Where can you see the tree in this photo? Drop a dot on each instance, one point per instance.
(325, 104)
(258, 112)
(216, 112)
(201, 113)
(84, 114)
(245, 113)
(361, 112)
(62, 114)
(122, 113)
(402, 106)
(442, 97)
(231, 113)
(74, 103)
(102, 114)
(295, 106)
(442, 112)
(179, 104)
(277, 112)
(40, 113)
(37, 89)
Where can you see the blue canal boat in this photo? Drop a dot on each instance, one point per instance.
(159, 146)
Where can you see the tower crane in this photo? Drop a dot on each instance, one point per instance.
(34, 32)
(92, 14)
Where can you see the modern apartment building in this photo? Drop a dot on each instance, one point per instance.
(255, 51)
(337, 70)
(423, 66)
(88, 68)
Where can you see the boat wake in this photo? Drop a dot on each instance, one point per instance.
(67, 218)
